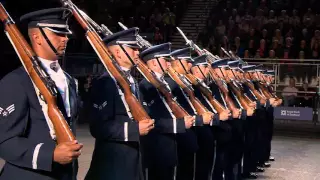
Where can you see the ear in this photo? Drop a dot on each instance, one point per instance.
(154, 63)
(118, 53)
(36, 38)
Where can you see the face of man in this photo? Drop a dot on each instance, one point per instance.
(221, 72)
(181, 66)
(42, 48)
(154, 65)
(230, 74)
(199, 71)
(121, 56)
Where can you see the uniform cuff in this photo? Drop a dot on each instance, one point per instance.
(198, 121)
(215, 121)
(181, 126)
(131, 131)
(43, 156)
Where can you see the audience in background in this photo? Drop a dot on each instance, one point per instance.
(290, 93)
(263, 29)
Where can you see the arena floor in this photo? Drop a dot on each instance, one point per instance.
(297, 158)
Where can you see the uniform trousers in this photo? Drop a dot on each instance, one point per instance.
(250, 144)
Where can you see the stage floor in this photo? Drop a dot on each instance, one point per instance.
(296, 158)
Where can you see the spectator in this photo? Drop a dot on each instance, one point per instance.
(301, 56)
(238, 49)
(305, 99)
(272, 54)
(158, 38)
(288, 50)
(315, 51)
(278, 37)
(315, 39)
(295, 19)
(262, 48)
(246, 54)
(257, 55)
(303, 47)
(221, 29)
(290, 93)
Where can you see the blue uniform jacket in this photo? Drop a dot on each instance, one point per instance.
(25, 141)
(186, 141)
(159, 146)
(116, 154)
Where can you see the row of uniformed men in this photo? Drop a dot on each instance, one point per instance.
(195, 147)
(164, 147)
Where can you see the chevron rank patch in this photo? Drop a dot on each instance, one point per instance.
(4, 112)
(100, 106)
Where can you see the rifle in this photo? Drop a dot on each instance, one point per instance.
(187, 88)
(40, 79)
(242, 97)
(224, 89)
(206, 92)
(136, 109)
(210, 59)
(257, 94)
(199, 107)
(150, 76)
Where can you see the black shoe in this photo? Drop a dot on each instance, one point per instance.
(266, 164)
(250, 176)
(271, 158)
(259, 169)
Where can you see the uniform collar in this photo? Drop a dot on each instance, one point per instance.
(46, 64)
(158, 75)
(125, 69)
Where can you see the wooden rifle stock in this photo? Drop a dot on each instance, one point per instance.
(239, 95)
(224, 91)
(200, 108)
(254, 91)
(29, 61)
(265, 91)
(136, 109)
(206, 92)
(177, 110)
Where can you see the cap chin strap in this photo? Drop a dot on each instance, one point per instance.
(235, 77)
(49, 43)
(250, 76)
(160, 64)
(222, 74)
(204, 77)
(183, 66)
(124, 50)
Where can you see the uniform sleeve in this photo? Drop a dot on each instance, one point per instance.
(103, 124)
(163, 123)
(243, 115)
(14, 113)
(268, 104)
(198, 121)
(215, 121)
(181, 126)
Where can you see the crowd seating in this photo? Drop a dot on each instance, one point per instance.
(261, 29)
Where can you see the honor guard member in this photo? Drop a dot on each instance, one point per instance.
(269, 77)
(187, 142)
(238, 126)
(116, 154)
(223, 132)
(264, 128)
(261, 140)
(27, 138)
(159, 146)
(206, 152)
(250, 127)
(234, 149)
